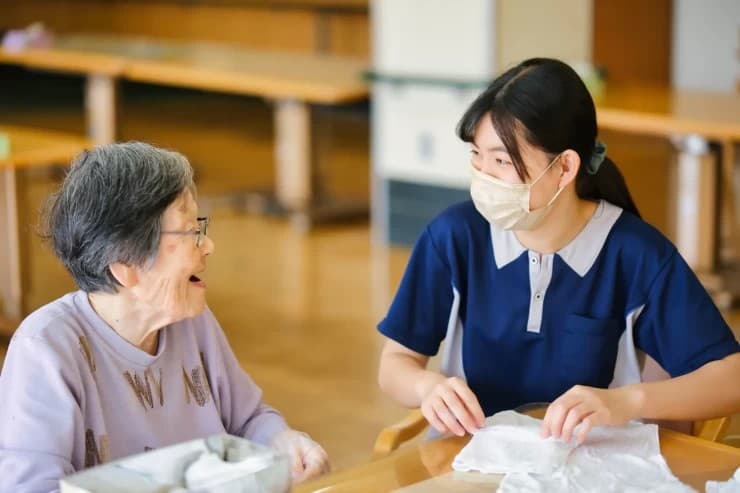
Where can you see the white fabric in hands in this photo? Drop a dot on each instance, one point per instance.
(307, 458)
(612, 459)
(511, 442)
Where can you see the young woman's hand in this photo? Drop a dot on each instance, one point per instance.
(589, 407)
(451, 407)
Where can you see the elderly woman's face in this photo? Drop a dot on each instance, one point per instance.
(172, 284)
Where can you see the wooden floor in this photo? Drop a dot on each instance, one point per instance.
(299, 311)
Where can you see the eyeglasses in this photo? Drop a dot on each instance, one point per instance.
(199, 233)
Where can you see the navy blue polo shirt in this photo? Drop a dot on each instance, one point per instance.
(523, 327)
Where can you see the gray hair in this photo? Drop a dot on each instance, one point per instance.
(109, 209)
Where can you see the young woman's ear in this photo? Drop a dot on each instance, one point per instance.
(126, 275)
(570, 163)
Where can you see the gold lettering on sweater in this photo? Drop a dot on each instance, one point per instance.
(142, 387)
(196, 384)
(87, 353)
(94, 454)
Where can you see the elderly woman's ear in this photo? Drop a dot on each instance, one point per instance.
(126, 275)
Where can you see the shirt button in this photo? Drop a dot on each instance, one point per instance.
(538, 296)
(534, 260)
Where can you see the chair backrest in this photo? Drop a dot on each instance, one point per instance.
(391, 437)
(713, 430)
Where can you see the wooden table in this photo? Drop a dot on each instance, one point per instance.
(28, 148)
(294, 82)
(704, 178)
(427, 468)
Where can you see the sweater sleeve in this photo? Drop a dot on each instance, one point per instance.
(39, 416)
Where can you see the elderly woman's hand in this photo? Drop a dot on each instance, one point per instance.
(308, 458)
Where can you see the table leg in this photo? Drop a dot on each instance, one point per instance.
(298, 181)
(730, 224)
(697, 218)
(696, 203)
(293, 154)
(101, 98)
(10, 272)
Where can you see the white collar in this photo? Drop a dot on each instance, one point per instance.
(580, 254)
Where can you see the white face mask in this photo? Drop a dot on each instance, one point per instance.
(506, 205)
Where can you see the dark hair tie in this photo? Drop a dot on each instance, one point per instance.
(597, 157)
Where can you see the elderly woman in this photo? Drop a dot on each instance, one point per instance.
(134, 360)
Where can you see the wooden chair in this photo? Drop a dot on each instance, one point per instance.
(391, 437)
(713, 430)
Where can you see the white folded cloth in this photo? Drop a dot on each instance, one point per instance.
(216, 464)
(612, 459)
(510, 442)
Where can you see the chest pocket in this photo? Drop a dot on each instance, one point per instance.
(587, 349)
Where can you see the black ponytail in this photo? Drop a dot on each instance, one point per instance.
(546, 102)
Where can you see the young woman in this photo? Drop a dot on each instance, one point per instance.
(547, 286)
